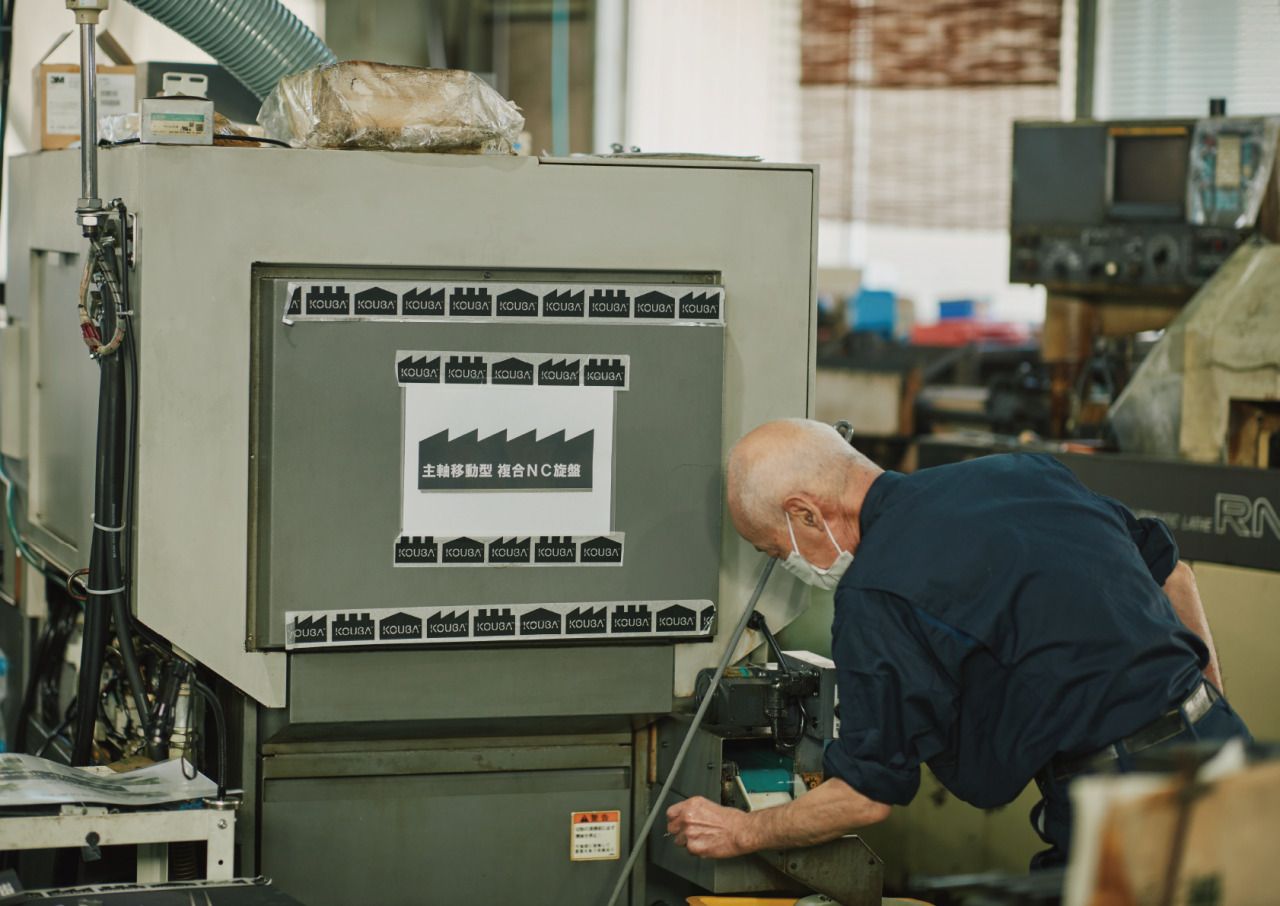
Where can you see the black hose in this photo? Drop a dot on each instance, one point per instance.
(119, 541)
(106, 583)
(220, 725)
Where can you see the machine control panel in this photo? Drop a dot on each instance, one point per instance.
(1135, 206)
(1150, 256)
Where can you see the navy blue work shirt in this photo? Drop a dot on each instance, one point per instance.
(997, 612)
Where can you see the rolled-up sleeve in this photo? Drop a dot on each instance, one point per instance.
(896, 702)
(1154, 541)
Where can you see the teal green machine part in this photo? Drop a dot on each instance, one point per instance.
(765, 771)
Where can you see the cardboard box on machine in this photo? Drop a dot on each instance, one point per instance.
(57, 93)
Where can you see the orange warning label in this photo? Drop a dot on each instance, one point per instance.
(595, 836)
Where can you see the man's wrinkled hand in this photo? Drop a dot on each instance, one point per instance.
(707, 830)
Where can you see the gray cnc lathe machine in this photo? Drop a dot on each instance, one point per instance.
(429, 471)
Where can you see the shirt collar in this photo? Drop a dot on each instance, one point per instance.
(878, 498)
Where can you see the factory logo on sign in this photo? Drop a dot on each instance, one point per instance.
(449, 625)
(424, 303)
(494, 621)
(586, 622)
(655, 305)
(375, 301)
(308, 630)
(550, 549)
(468, 462)
(541, 622)
(295, 302)
(353, 627)
(509, 550)
(512, 371)
(631, 618)
(471, 301)
(517, 303)
(400, 626)
(462, 550)
(563, 373)
(328, 300)
(677, 619)
(465, 369)
(417, 549)
(700, 305)
(604, 373)
(418, 371)
(563, 304)
(601, 550)
(609, 303)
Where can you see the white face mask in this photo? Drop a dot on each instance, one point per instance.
(805, 571)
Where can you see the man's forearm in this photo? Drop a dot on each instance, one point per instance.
(1180, 588)
(830, 810)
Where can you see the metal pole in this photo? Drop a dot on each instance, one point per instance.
(89, 200)
(660, 802)
(89, 207)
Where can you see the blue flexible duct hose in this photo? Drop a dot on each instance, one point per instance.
(257, 41)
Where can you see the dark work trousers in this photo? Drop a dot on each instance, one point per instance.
(1051, 816)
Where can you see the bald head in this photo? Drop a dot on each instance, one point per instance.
(803, 468)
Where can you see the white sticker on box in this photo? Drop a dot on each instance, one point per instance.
(62, 99)
(595, 836)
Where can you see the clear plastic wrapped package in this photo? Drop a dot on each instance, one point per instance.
(377, 106)
(1232, 162)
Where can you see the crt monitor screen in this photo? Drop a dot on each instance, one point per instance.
(1150, 173)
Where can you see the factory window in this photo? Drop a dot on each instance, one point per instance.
(1158, 58)
(908, 104)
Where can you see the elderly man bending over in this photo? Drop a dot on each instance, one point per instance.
(1001, 622)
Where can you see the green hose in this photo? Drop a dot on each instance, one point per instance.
(258, 41)
(10, 498)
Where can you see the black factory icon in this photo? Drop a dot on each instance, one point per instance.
(609, 303)
(517, 303)
(586, 621)
(631, 618)
(418, 370)
(509, 550)
(465, 369)
(654, 304)
(400, 626)
(470, 301)
(559, 373)
(677, 618)
(307, 630)
(423, 302)
(525, 462)
(512, 371)
(375, 301)
(328, 300)
(449, 624)
(563, 304)
(600, 550)
(493, 622)
(541, 621)
(700, 306)
(353, 627)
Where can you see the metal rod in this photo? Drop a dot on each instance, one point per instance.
(89, 200)
(659, 804)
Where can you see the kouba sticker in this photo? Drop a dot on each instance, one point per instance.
(486, 458)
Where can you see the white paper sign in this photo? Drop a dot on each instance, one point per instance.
(494, 460)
